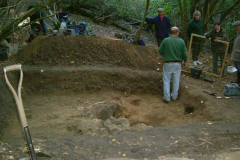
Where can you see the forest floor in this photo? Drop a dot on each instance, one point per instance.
(92, 97)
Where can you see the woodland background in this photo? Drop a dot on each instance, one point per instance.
(13, 12)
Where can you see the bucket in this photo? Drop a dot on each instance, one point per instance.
(196, 72)
(3, 54)
(63, 25)
(67, 32)
(231, 70)
(75, 27)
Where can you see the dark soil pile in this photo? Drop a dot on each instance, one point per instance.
(88, 50)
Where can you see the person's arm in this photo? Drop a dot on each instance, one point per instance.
(209, 34)
(161, 49)
(189, 30)
(184, 54)
(66, 14)
(150, 20)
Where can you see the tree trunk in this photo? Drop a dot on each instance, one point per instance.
(143, 20)
(184, 19)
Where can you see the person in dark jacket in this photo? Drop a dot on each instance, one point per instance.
(35, 16)
(162, 25)
(195, 26)
(63, 16)
(218, 49)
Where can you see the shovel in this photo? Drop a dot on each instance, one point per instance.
(18, 99)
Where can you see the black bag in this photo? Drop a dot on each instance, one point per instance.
(82, 28)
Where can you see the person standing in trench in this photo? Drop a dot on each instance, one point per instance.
(173, 50)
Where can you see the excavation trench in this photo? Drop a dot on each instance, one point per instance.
(99, 101)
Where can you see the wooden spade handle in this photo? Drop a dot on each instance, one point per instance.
(17, 96)
(12, 67)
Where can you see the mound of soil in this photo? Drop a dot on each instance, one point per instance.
(88, 50)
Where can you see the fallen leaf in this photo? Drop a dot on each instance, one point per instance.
(65, 153)
(114, 140)
(210, 123)
(124, 155)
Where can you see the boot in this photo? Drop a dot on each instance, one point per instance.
(238, 78)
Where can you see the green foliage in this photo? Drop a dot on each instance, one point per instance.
(133, 10)
(231, 31)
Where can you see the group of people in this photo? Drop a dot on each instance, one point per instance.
(173, 49)
(174, 52)
(62, 17)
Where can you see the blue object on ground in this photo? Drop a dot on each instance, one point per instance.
(75, 27)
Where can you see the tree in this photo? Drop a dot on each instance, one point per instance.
(7, 30)
(141, 25)
(184, 18)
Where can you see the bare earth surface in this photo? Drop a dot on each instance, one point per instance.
(91, 97)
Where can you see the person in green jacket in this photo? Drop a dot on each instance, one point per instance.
(174, 52)
(218, 49)
(195, 26)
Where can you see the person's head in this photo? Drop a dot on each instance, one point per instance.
(236, 26)
(160, 11)
(197, 15)
(217, 25)
(174, 31)
(60, 10)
